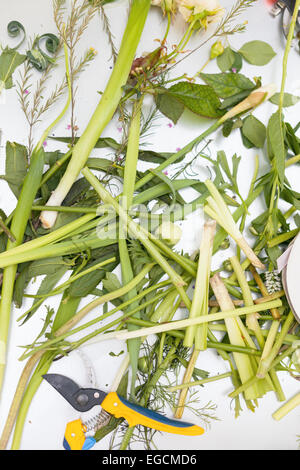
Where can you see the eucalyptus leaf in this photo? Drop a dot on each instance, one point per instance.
(257, 52)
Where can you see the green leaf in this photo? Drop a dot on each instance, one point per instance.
(257, 52)
(86, 284)
(200, 99)
(226, 60)
(292, 141)
(169, 106)
(235, 99)
(9, 61)
(15, 166)
(46, 286)
(254, 130)
(238, 62)
(276, 147)
(288, 99)
(228, 84)
(45, 266)
(102, 142)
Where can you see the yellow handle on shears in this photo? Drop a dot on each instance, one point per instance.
(136, 414)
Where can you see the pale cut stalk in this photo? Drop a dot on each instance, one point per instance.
(106, 108)
(265, 365)
(186, 379)
(201, 290)
(251, 320)
(182, 324)
(199, 382)
(243, 362)
(287, 407)
(218, 210)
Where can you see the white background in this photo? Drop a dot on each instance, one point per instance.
(48, 413)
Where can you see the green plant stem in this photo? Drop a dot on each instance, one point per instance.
(251, 320)
(200, 382)
(286, 53)
(255, 379)
(13, 251)
(130, 169)
(74, 209)
(18, 226)
(6, 230)
(9, 424)
(287, 407)
(199, 305)
(283, 237)
(265, 364)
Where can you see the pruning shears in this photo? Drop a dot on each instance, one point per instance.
(286, 8)
(83, 399)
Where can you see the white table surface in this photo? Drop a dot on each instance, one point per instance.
(48, 413)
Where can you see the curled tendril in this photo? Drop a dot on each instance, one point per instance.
(15, 29)
(40, 57)
(43, 48)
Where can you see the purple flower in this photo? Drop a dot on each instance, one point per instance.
(45, 143)
(234, 70)
(119, 129)
(178, 149)
(170, 124)
(26, 92)
(165, 172)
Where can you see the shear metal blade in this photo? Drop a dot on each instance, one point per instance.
(82, 399)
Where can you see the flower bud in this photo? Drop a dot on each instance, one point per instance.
(216, 49)
(225, 244)
(227, 266)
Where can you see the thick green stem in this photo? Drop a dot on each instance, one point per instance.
(18, 226)
(287, 407)
(130, 169)
(265, 364)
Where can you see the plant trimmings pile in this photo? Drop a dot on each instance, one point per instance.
(72, 227)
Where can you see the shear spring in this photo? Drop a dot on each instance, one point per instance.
(96, 422)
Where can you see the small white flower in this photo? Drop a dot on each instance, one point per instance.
(205, 11)
(165, 5)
